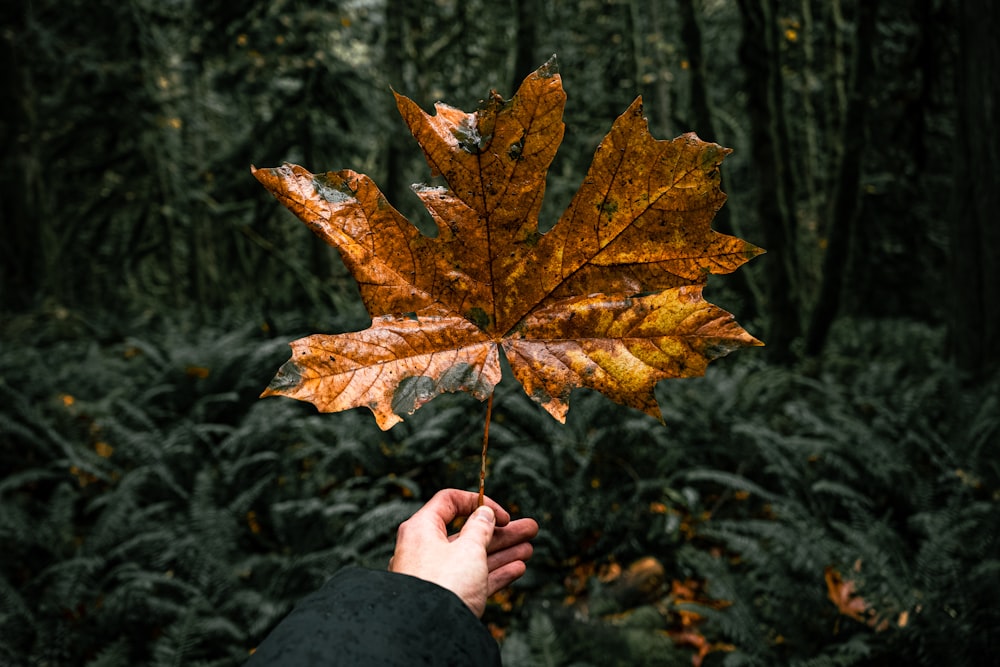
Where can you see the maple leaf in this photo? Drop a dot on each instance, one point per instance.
(610, 298)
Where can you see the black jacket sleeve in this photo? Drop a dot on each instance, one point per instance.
(366, 617)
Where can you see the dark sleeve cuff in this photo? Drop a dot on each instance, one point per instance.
(368, 617)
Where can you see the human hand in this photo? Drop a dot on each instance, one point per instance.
(486, 555)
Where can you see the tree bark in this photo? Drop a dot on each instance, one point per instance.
(772, 165)
(524, 48)
(19, 238)
(845, 202)
(396, 187)
(702, 123)
(975, 234)
(701, 113)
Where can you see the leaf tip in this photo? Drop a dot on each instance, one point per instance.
(265, 176)
(288, 377)
(636, 107)
(549, 69)
(750, 250)
(656, 413)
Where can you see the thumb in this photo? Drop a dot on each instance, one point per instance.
(479, 527)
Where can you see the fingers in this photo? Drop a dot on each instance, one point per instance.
(438, 513)
(519, 552)
(520, 530)
(509, 552)
(511, 543)
(490, 544)
(504, 576)
(479, 528)
(446, 505)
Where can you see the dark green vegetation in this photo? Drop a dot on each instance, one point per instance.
(153, 511)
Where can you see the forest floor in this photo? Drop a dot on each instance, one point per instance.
(154, 511)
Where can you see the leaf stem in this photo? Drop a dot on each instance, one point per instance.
(486, 439)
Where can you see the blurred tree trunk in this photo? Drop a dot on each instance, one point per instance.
(395, 162)
(661, 21)
(846, 189)
(975, 234)
(620, 74)
(414, 51)
(759, 54)
(701, 112)
(19, 236)
(524, 48)
(703, 124)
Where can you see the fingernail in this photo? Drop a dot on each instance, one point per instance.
(485, 513)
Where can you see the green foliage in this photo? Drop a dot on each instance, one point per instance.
(148, 490)
(154, 511)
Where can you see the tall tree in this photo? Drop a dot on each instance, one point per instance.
(759, 53)
(525, 44)
(396, 185)
(702, 122)
(844, 201)
(18, 273)
(975, 233)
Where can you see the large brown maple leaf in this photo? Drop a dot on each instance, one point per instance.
(610, 298)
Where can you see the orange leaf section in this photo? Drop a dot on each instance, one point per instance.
(641, 585)
(393, 367)
(609, 299)
(843, 593)
(689, 634)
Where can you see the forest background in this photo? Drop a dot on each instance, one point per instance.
(830, 499)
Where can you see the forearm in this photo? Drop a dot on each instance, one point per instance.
(369, 617)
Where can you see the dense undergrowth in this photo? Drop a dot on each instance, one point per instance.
(154, 511)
